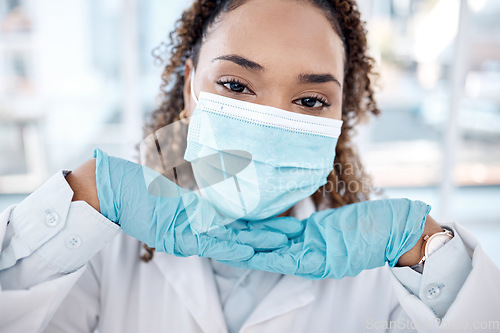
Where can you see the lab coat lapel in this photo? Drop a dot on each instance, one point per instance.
(289, 294)
(193, 280)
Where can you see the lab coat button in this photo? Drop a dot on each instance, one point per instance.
(73, 242)
(433, 291)
(51, 219)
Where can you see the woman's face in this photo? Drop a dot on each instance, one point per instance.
(280, 53)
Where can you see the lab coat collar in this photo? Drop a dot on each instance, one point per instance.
(194, 282)
(289, 294)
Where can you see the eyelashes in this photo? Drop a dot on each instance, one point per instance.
(234, 85)
(237, 87)
(306, 101)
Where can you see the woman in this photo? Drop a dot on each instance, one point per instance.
(258, 57)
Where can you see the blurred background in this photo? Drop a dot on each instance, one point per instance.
(75, 75)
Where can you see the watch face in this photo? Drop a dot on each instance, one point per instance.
(436, 242)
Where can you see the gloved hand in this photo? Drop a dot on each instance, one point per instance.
(345, 241)
(159, 213)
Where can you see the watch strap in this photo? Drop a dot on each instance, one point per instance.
(429, 238)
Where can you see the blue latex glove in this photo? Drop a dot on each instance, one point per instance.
(156, 211)
(345, 241)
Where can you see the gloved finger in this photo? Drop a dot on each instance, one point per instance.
(270, 262)
(260, 240)
(223, 250)
(287, 225)
(290, 226)
(284, 261)
(239, 225)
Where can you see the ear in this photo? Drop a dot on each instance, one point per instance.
(188, 101)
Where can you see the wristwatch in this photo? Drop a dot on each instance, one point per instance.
(432, 244)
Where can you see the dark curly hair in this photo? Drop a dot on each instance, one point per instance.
(348, 182)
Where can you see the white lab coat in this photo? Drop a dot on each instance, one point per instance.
(116, 292)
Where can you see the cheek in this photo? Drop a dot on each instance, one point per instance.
(201, 83)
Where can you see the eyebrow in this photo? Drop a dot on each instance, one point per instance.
(239, 60)
(252, 65)
(318, 78)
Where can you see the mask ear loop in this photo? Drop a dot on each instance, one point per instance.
(193, 95)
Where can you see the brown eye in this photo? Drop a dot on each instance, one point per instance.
(235, 86)
(312, 102)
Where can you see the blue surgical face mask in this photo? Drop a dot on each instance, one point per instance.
(254, 161)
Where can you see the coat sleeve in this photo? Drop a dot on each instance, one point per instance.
(475, 303)
(46, 242)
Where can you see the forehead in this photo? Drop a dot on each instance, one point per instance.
(279, 33)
